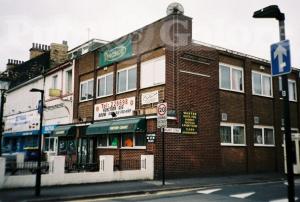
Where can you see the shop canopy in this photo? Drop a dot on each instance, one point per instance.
(130, 125)
(69, 130)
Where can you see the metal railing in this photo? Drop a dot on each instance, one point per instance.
(127, 164)
(27, 168)
(81, 167)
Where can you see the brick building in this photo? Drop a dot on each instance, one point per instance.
(237, 103)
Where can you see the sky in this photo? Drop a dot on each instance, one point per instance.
(226, 23)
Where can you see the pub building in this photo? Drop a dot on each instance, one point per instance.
(225, 102)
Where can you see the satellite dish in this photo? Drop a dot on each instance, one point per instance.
(175, 8)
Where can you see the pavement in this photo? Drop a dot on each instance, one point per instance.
(113, 189)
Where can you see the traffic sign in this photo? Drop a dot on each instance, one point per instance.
(173, 130)
(162, 115)
(281, 58)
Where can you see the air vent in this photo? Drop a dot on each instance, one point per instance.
(224, 116)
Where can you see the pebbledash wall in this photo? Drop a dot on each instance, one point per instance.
(192, 84)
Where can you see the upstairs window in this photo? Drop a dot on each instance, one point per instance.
(153, 72)
(105, 85)
(86, 90)
(262, 84)
(231, 78)
(69, 81)
(126, 79)
(292, 89)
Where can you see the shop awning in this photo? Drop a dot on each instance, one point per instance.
(98, 128)
(69, 130)
(129, 125)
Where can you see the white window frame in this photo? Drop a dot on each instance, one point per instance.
(289, 81)
(153, 82)
(231, 125)
(66, 80)
(230, 77)
(97, 87)
(55, 144)
(107, 141)
(134, 146)
(263, 135)
(81, 83)
(261, 84)
(117, 80)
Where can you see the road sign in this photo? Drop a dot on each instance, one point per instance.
(162, 115)
(151, 138)
(281, 58)
(173, 130)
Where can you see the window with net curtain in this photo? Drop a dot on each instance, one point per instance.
(231, 78)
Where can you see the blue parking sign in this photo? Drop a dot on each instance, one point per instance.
(281, 58)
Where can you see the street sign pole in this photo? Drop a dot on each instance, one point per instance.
(163, 157)
(287, 126)
(162, 111)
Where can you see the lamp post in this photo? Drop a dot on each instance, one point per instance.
(274, 12)
(3, 88)
(38, 172)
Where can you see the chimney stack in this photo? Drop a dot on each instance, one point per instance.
(13, 63)
(58, 53)
(37, 49)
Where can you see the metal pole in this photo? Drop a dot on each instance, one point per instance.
(38, 172)
(287, 126)
(163, 156)
(1, 119)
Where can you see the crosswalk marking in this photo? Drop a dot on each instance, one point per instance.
(242, 195)
(208, 191)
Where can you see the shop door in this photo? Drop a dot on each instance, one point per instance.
(85, 151)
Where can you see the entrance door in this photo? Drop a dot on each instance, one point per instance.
(296, 153)
(85, 151)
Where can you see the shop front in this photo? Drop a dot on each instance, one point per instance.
(125, 139)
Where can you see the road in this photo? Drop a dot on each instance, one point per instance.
(272, 191)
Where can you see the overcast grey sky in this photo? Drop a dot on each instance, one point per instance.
(226, 23)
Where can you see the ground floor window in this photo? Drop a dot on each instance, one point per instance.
(264, 136)
(67, 146)
(232, 134)
(128, 140)
(50, 144)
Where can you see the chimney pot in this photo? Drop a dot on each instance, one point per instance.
(32, 45)
(65, 42)
(40, 47)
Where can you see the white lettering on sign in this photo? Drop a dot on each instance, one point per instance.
(173, 130)
(151, 97)
(122, 107)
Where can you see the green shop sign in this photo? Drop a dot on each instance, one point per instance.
(115, 53)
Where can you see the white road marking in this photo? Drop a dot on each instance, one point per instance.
(242, 195)
(283, 200)
(208, 191)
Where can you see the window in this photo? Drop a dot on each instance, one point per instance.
(153, 72)
(110, 141)
(105, 85)
(261, 84)
(231, 78)
(263, 136)
(232, 134)
(54, 82)
(50, 144)
(126, 80)
(292, 89)
(128, 140)
(68, 84)
(86, 90)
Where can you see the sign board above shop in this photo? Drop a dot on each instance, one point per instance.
(115, 53)
(150, 97)
(122, 107)
(189, 123)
